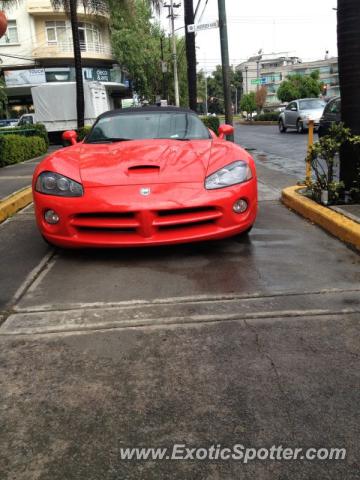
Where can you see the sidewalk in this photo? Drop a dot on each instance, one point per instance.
(15, 181)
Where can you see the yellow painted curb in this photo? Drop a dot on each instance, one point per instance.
(15, 202)
(337, 224)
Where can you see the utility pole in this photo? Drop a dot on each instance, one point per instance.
(225, 62)
(189, 19)
(246, 79)
(206, 94)
(174, 54)
(236, 101)
(163, 68)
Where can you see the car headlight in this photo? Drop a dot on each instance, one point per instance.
(236, 172)
(52, 183)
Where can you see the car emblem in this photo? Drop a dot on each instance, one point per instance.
(145, 191)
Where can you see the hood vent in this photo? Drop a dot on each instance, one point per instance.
(143, 169)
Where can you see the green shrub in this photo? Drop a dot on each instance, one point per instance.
(211, 122)
(17, 148)
(267, 117)
(83, 132)
(38, 130)
(41, 132)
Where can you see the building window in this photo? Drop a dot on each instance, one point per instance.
(89, 36)
(57, 32)
(11, 35)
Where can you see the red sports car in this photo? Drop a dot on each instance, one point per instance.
(145, 176)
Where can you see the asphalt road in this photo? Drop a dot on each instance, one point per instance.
(284, 152)
(251, 341)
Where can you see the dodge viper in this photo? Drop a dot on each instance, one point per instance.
(145, 176)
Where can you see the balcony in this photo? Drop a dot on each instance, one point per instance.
(41, 7)
(65, 49)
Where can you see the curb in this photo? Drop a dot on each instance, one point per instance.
(337, 224)
(256, 123)
(14, 202)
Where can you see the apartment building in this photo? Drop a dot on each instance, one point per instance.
(275, 65)
(272, 69)
(37, 48)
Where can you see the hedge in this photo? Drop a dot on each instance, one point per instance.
(83, 132)
(17, 148)
(267, 116)
(36, 130)
(211, 122)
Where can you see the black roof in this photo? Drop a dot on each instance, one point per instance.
(151, 108)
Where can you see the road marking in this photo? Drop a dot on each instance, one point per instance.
(35, 273)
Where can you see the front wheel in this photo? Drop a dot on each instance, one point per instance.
(300, 126)
(282, 128)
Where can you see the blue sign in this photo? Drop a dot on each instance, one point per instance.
(127, 83)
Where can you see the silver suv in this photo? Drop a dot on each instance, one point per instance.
(298, 113)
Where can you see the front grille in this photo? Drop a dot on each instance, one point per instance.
(146, 223)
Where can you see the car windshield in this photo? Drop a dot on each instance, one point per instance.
(148, 125)
(311, 104)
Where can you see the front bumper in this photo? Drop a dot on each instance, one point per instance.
(122, 217)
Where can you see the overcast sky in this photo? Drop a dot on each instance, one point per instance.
(306, 29)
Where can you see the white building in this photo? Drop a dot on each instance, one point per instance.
(272, 69)
(37, 48)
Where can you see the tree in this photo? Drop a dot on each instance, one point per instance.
(348, 14)
(3, 99)
(260, 98)
(300, 86)
(248, 103)
(216, 89)
(136, 43)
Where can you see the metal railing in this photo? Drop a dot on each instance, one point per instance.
(95, 47)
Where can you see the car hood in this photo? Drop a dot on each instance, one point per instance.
(143, 161)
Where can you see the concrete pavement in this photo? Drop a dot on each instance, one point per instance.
(252, 341)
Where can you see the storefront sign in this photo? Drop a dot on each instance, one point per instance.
(34, 76)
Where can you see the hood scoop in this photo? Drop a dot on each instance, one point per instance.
(143, 169)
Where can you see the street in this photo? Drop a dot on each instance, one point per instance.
(250, 340)
(282, 152)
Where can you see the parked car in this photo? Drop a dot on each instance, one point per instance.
(298, 113)
(145, 176)
(331, 114)
(8, 122)
(26, 119)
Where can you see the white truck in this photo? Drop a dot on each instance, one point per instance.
(55, 106)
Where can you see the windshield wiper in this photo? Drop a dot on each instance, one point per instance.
(173, 138)
(109, 140)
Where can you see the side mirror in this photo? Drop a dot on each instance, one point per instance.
(70, 136)
(225, 130)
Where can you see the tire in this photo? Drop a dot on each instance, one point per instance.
(282, 128)
(300, 126)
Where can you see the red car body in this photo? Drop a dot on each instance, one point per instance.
(145, 192)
